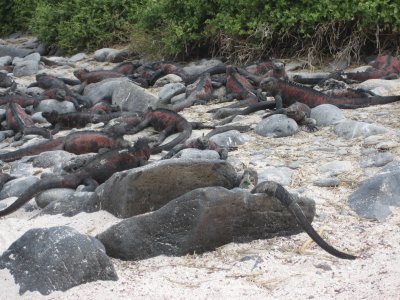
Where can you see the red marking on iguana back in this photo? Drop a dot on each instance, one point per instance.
(291, 92)
(95, 76)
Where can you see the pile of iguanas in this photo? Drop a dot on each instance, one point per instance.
(249, 85)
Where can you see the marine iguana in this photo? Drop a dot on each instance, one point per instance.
(277, 70)
(201, 94)
(19, 121)
(78, 142)
(299, 112)
(229, 115)
(95, 171)
(88, 77)
(287, 93)
(204, 142)
(5, 80)
(48, 82)
(387, 62)
(22, 100)
(237, 86)
(126, 68)
(189, 78)
(383, 67)
(76, 119)
(123, 124)
(166, 122)
(260, 68)
(201, 143)
(279, 192)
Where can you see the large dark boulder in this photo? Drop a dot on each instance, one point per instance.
(56, 259)
(200, 221)
(147, 188)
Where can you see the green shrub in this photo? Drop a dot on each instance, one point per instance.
(15, 15)
(78, 24)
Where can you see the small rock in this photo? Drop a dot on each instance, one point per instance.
(219, 93)
(323, 266)
(295, 165)
(387, 145)
(77, 57)
(351, 129)
(373, 140)
(38, 118)
(15, 188)
(5, 61)
(60, 106)
(26, 68)
(277, 126)
(377, 160)
(52, 158)
(68, 206)
(48, 196)
(170, 78)
(101, 54)
(131, 97)
(282, 175)
(111, 55)
(170, 90)
(336, 167)
(231, 138)
(327, 114)
(197, 154)
(327, 182)
(381, 87)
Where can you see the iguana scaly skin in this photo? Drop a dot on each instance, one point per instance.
(166, 122)
(287, 93)
(95, 171)
(88, 77)
(201, 94)
(76, 119)
(22, 100)
(19, 121)
(48, 82)
(78, 142)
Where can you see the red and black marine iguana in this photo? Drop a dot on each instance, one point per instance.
(77, 119)
(166, 122)
(287, 93)
(78, 142)
(19, 121)
(95, 171)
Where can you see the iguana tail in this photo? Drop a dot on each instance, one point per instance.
(69, 181)
(55, 144)
(278, 191)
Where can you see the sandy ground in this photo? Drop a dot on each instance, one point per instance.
(283, 267)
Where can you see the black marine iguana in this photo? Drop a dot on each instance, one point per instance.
(95, 171)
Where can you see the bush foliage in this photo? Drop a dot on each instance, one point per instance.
(240, 29)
